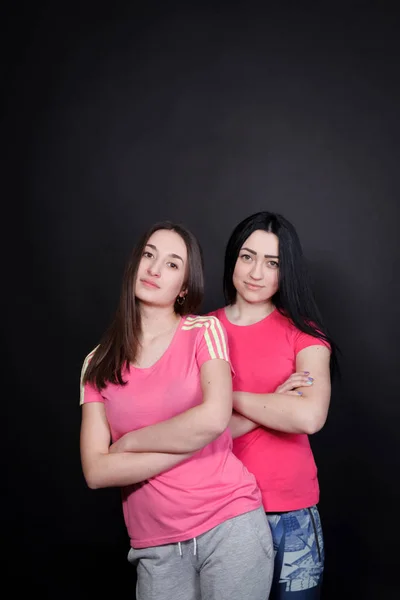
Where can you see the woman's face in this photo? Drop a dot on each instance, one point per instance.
(256, 271)
(162, 269)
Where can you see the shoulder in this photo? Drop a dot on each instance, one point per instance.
(88, 393)
(87, 360)
(284, 324)
(199, 322)
(216, 313)
(89, 356)
(299, 338)
(207, 327)
(210, 337)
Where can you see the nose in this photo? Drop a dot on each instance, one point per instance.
(256, 271)
(154, 270)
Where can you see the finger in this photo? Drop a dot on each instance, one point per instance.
(294, 381)
(300, 374)
(294, 393)
(299, 380)
(285, 387)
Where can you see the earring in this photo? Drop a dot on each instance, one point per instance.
(180, 300)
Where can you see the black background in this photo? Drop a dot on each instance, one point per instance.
(115, 117)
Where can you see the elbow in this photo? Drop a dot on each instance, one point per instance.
(92, 484)
(314, 424)
(220, 423)
(211, 423)
(95, 470)
(92, 479)
(213, 427)
(218, 430)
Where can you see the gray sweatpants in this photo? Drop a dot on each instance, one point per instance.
(233, 561)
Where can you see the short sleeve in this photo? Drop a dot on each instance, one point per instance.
(212, 342)
(89, 392)
(304, 340)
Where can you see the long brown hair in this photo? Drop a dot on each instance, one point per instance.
(119, 344)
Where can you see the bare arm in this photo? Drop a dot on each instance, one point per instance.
(194, 428)
(239, 425)
(102, 469)
(290, 412)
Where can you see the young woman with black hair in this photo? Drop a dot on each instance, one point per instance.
(283, 357)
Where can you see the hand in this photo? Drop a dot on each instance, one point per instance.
(293, 382)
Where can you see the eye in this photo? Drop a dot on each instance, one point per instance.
(246, 257)
(273, 264)
(147, 254)
(172, 265)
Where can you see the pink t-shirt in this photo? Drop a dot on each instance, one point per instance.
(264, 356)
(206, 489)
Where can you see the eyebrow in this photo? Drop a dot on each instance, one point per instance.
(255, 253)
(172, 255)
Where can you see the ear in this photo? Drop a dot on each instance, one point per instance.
(183, 292)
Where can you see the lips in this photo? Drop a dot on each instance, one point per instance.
(253, 286)
(150, 284)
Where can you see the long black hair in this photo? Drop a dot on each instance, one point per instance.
(294, 298)
(120, 343)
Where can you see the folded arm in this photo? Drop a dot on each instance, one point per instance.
(290, 412)
(239, 425)
(104, 469)
(194, 428)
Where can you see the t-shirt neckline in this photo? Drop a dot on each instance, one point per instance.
(166, 351)
(273, 312)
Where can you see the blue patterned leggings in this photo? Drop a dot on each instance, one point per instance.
(299, 554)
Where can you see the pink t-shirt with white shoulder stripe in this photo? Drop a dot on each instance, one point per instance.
(203, 491)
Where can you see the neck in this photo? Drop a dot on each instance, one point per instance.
(246, 313)
(156, 320)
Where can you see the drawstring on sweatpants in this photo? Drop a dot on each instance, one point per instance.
(194, 547)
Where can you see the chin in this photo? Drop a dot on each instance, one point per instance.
(145, 296)
(254, 297)
(254, 300)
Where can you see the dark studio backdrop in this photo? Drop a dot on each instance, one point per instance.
(115, 117)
